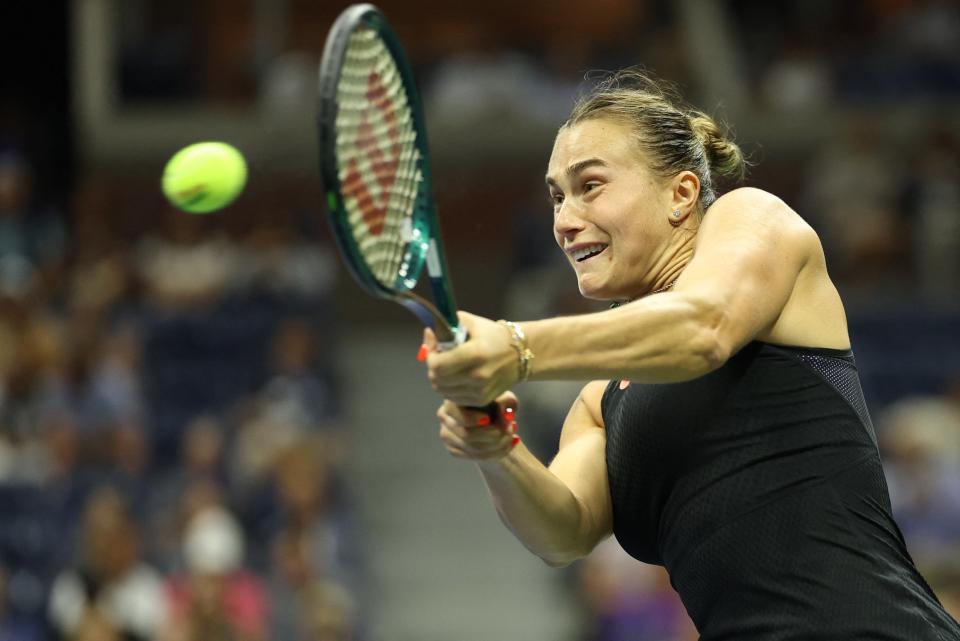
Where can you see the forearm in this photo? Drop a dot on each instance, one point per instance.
(667, 338)
(537, 507)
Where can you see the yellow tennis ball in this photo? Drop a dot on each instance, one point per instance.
(204, 177)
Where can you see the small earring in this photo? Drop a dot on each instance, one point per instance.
(676, 213)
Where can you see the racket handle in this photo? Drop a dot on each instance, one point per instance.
(459, 338)
(491, 409)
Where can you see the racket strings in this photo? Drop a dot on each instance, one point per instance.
(377, 155)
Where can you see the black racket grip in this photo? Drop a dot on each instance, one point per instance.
(491, 409)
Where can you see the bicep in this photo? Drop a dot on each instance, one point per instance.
(750, 250)
(580, 462)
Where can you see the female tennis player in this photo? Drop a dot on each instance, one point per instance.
(724, 434)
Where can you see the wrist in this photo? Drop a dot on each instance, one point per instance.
(501, 466)
(518, 341)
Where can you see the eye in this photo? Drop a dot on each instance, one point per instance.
(556, 199)
(591, 185)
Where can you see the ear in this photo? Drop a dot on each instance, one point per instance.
(685, 194)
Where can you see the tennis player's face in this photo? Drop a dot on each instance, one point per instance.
(608, 209)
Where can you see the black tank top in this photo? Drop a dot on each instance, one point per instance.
(759, 487)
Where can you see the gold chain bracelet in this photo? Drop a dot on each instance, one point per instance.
(519, 341)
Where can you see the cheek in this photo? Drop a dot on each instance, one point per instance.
(634, 219)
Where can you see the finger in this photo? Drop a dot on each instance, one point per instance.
(464, 398)
(496, 445)
(475, 417)
(456, 361)
(458, 453)
(494, 450)
(466, 320)
(462, 394)
(470, 438)
(473, 437)
(451, 409)
(451, 429)
(508, 400)
(428, 345)
(429, 339)
(452, 441)
(457, 394)
(463, 416)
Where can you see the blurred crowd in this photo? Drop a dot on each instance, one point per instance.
(173, 441)
(804, 56)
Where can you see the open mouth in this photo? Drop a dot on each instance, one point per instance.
(587, 252)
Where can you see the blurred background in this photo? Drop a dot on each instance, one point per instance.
(208, 432)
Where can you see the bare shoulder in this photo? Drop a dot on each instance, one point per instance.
(594, 390)
(585, 414)
(787, 263)
(751, 200)
(591, 396)
(764, 214)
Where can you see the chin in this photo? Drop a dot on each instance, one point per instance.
(594, 292)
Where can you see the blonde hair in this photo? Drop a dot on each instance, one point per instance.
(674, 137)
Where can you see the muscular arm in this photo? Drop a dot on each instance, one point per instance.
(559, 513)
(750, 250)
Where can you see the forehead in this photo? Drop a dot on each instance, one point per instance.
(609, 140)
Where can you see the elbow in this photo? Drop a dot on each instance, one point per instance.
(710, 346)
(561, 557)
(557, 560)
(715, 353)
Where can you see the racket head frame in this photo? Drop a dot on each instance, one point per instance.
(424, 248)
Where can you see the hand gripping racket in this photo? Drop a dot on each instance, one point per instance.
(375, 170)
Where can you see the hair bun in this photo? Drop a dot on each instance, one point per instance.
(724, 155)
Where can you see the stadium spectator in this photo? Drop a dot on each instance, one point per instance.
(109, 586)
(215, 598)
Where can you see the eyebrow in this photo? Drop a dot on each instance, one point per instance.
(576, 168)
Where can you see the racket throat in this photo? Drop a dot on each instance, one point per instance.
(459, 337)
(448, 336)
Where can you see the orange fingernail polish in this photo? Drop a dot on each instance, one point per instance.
(514, 440)
(483, 421)
(422, 354)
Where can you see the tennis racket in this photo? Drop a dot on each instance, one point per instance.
(375, 169)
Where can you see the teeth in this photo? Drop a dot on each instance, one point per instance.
(589, 250)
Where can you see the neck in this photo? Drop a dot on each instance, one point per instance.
(665, 280)
(674, 260)
(671, 263)
(667, 277)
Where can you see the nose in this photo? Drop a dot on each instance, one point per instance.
(566, 222)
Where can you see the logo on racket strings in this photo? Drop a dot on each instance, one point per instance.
(380, 170)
